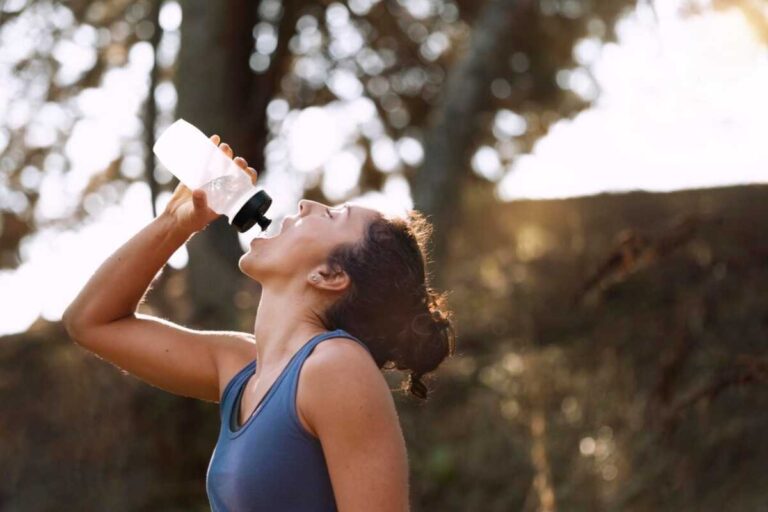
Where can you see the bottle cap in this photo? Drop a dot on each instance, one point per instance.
(252, 212)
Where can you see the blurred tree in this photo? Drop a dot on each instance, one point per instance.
(507, 66)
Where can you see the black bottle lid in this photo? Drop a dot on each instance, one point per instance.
(252, 212)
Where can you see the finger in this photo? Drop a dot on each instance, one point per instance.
(216, 139)
(226, 149)
(253, 172)
(241, 162)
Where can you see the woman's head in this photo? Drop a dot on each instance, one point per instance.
(371, 270)
(302, 246)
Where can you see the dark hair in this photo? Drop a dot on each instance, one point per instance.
(389, 305)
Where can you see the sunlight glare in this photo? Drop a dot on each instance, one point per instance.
(683, 105)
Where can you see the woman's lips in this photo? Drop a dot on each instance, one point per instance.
(282, 228)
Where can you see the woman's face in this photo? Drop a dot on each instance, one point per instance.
(305, 240)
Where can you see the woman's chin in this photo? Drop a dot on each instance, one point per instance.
(246, 264)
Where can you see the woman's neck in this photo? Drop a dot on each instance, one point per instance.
(285, 321)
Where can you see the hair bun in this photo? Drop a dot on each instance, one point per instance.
(403, 321)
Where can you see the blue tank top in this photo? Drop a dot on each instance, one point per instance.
(270, 462)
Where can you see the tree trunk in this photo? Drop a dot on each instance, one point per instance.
(438, 184)
(213, 80)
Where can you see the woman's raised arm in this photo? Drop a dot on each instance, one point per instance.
(104, 320)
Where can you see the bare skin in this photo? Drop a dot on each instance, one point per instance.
(365, 453)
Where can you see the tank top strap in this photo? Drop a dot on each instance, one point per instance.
(294, 367)
(341, 333)
(307, 349)
(338, 333)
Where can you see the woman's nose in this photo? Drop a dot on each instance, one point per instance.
(306, 206)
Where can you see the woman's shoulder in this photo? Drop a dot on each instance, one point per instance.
(348, 405)
(341, 380)
(339, 361)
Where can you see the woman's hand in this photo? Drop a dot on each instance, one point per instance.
(189, 208)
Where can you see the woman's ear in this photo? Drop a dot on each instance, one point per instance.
(323, 278)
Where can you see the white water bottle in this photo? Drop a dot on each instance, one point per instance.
(199, 163)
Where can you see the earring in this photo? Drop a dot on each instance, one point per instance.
(315, 277)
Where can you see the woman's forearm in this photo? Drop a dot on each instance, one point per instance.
(115, 290)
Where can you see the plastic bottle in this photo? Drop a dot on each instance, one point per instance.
(199, 163)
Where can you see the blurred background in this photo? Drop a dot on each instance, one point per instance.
(596, 172)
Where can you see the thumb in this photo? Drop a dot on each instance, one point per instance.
(198, 198)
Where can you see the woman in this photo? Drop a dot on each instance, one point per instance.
(298, 433)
